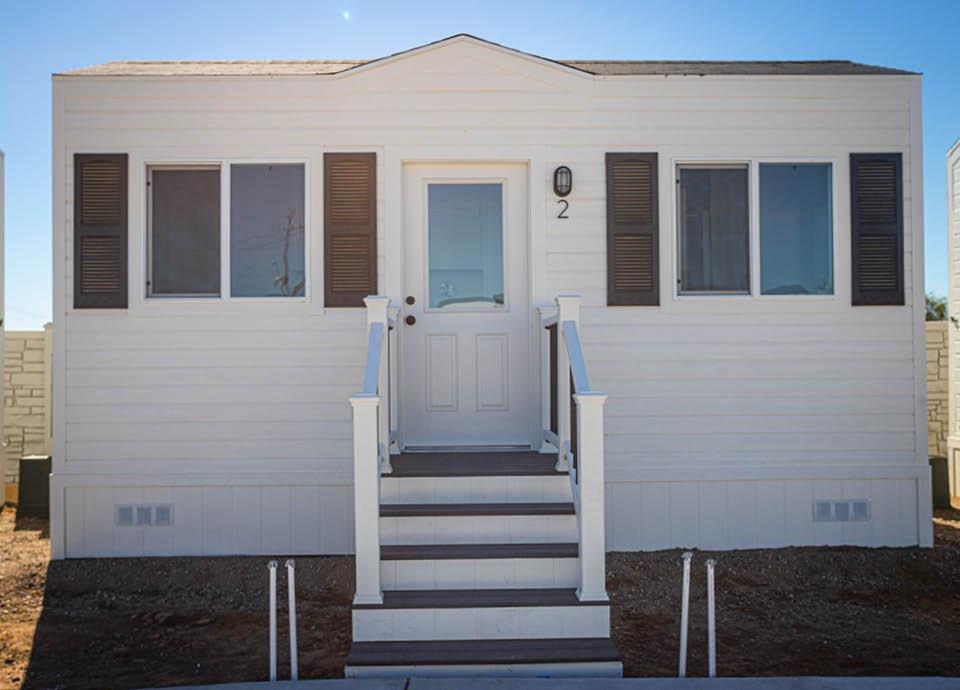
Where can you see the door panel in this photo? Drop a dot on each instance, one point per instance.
(441, 371)
(466, 375)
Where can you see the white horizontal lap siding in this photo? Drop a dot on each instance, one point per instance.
(151, 389)
(174, 390)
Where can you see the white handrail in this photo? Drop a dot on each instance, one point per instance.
(587, 471)
(371, 373)
(578, 368)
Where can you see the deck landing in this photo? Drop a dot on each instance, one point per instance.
(479, 464)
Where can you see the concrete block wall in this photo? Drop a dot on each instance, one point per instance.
(938, 419)
(26, 397)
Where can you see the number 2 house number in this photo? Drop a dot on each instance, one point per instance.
(564, 205)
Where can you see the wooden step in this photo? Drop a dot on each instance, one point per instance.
(529, 488)
(436, 552)
(478, 598)
(480, 614)
(474, 509)
(479, 464)
(482, 652)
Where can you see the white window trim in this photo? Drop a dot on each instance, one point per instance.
(504, 231)
(677, 215)
(148, 245)
(753, 193)
(224, 165)
(755, 213)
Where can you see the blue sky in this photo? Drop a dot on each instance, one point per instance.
(39, 37)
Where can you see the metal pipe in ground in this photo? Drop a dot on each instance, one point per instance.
(272, 568)
(711, 620)
(292, 605)
(684, 613)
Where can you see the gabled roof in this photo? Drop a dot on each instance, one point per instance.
(223, 68)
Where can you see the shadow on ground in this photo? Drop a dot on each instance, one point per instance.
(155, 622)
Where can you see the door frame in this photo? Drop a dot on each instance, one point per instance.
(400, 267)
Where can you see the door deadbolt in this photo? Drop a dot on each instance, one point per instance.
(411, 300)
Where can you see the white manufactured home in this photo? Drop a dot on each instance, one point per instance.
(479, 316)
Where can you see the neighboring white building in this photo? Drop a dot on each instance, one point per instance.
(746, 240)
(953, 331)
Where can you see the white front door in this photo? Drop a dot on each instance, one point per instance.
(466, 375)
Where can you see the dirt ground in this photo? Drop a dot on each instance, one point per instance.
(133, 623)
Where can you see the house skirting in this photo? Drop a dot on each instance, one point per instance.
(301, 513)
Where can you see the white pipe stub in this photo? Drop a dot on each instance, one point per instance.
(684, 613)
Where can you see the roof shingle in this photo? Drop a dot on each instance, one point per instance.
(218, 68)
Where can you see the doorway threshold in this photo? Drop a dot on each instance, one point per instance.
(467, 449)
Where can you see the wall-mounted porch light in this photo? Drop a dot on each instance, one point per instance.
(562, 181)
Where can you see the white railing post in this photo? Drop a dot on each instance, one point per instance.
(568, 309)
(543, 338)
(393, 365)
(590, 477)
(371, 433)
(366, 498)
(377, 307)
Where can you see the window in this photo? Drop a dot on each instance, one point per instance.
(267, 231)
(465, 229)
(796, 229)
(184, 229)
(714, 230)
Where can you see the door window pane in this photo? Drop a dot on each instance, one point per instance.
(267, 231)
(465, 231)
(714, 230)
(185, 232)
(796, 229)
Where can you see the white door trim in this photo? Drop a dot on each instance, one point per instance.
(469, 171)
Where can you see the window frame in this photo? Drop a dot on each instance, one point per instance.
(835, 172)
(504, 234)
(224, 165)
(148, 267)
(678, 213)
(752, 165)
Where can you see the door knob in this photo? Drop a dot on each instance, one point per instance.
(411, 319)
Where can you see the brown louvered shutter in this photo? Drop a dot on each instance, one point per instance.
(350, 228)
(876, 208)
(633, 228)
(100, 231)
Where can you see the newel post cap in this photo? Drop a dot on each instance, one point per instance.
(568, 307)
(376, 307)
(364, 400)
(586, 398)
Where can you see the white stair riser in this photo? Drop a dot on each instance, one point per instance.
(596, 669)
(479, 573)
(536, 489)
(478, 529)
(501, 623)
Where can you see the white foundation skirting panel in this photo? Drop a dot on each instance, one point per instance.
(719, 515)
(192, 518)
(207, 520)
